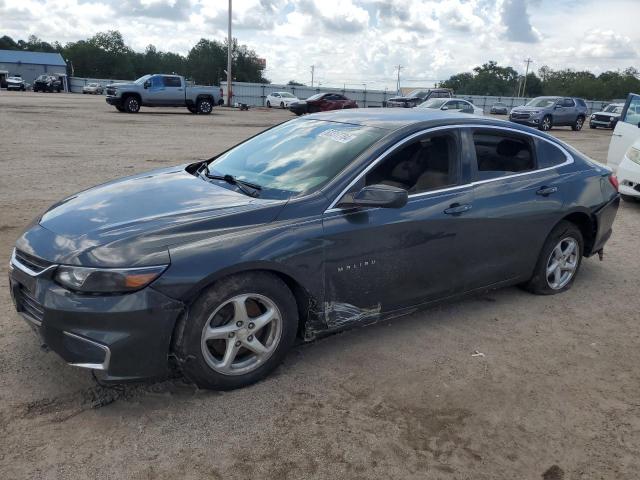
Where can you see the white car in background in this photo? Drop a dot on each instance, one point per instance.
(281, 99)
(629, 173)
(452, 105)
(625, 134)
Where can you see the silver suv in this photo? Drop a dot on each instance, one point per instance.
(547, 112)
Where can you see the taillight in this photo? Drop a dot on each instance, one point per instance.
(614, 181)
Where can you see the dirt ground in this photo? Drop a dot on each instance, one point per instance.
(556, 394)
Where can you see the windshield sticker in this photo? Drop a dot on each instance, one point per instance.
(338, 135)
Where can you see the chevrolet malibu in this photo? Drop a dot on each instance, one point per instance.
(319, 224)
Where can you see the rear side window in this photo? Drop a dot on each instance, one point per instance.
(568, 102)
(499, 154)
(548, 155)
(581, 103)
(172, 82)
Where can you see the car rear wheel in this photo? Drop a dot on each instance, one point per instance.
(577, 126)
(131, 104)
(281, 104)
(237, 332)
(546, 123)
(559, 261)
(204, 106)
(268, 104)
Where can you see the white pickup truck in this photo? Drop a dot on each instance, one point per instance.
(161, 90)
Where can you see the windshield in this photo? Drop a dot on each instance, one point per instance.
(542, 102)
(296, 157)
(286, 95)
(142, 79)
(316, 96)
(417, 93)
(433, 103)
(613, 109)
(499, 105)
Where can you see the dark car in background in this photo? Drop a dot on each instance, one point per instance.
(499, 108)
(47, 83)
(416, 97)
(321, 223)
(322, 102)
(608, 117)
(545, 113)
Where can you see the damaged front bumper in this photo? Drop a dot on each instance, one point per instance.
(127, 337)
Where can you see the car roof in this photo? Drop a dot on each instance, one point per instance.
(396, 118)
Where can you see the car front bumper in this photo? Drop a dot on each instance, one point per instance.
(600, 123)
(127, 337)
(628, 174)
(531, 121)
(115, 101)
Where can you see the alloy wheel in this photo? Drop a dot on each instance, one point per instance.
(579, 123)
(241, 334)
(562, 263)
(546, 124)
(205, 106)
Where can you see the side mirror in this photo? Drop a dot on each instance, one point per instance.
(147, 84)
(383, 196)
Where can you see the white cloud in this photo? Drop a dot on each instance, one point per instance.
(356, 41)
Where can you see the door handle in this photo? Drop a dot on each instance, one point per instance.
(457, 209)
(546, 191)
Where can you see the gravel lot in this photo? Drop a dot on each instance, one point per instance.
(556, 394)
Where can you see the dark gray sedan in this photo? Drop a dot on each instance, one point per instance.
(322, 223)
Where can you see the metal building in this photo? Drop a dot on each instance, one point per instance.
(30, 65)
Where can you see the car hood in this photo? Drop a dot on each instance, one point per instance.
(404, 99)
(607, 114)
(133, 221)
(14, 80)
(524, 108)
(122, 84)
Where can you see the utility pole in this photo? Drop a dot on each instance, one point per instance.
(398, 82)
(524, 88)
(229, 77)
(313, 69)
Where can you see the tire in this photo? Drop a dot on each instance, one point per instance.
(546, 124)
(282, 105)
(84, 93)
(131, 104)
(268, 104)
(578, 124)
(630, 198)
(592, 126)
(203, 361)
(204, 106)
(562, 237)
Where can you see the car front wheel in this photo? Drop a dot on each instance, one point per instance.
(132, 105)
(237, 332)
(546, 123)
(559, 261)
(268, 104)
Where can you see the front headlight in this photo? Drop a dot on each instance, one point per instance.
(612, 118)
(633, 154)
(592, 117)
(107, 280)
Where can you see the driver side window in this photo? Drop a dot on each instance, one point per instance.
(429, 163)
(632, 115)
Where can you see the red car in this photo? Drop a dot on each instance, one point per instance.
(322, 102)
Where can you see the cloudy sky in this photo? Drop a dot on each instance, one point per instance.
(357, 41)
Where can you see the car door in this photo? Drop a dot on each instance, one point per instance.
(567, 113)
(517, 197)
(383, 259)
(173, 92)
(626, 131)
(154, 91)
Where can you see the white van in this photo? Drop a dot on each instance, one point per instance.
(627, 131)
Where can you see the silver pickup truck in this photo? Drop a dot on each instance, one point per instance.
(160, 90)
